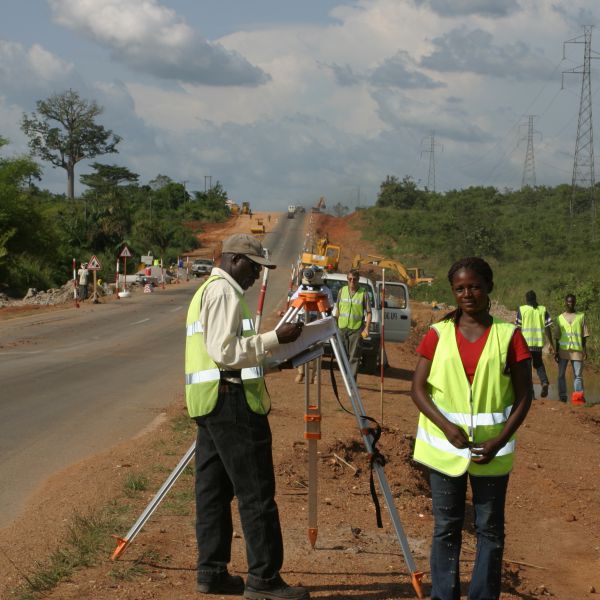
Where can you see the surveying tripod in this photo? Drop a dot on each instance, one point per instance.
(312, 302)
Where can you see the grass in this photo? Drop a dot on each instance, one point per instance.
(134, 484)
(88, 537)
(89, 541)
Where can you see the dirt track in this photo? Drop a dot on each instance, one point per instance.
(553, 508)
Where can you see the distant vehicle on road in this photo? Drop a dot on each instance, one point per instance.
(202, 266)
(291, 211)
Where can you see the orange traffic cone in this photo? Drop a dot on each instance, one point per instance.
(577, 398)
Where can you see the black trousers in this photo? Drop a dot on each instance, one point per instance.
(234, 458)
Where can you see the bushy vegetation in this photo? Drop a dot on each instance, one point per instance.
(528, 236)
(40, 232)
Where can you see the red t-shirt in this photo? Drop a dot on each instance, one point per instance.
(471, 351)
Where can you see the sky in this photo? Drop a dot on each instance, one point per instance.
(285, 101)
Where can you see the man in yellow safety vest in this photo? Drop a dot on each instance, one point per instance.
(226, 395)
(353, 312)
(536, 325)
(571, 334)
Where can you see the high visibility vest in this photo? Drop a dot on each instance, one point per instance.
(571, 334)
(480, 409)
(351, 309)
(533, 325)
(202, 374)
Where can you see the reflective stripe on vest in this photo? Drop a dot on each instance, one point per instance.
(202, 374)
(571, 334)
(480, 409)
(351, 309)
(533, 325)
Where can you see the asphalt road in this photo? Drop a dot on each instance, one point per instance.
(76, 382)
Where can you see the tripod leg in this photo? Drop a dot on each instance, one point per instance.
(358, 409)
(122, 543)
(312, 433)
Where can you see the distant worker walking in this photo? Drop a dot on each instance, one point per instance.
(226, 396)
(571, 334)
(536, 325)
(353, 312)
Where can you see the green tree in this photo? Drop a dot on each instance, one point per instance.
(63, 132)
(107, 178)
(399, 194)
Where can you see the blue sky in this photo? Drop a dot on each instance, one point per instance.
(285, 101)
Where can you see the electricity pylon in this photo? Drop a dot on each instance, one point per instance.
(529, 165)
(583, 164)
(431, 152)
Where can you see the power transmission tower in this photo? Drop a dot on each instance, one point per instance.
(431, 152)
(583, 164)
(529, 165)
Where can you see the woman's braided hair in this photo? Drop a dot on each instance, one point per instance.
(472, 263)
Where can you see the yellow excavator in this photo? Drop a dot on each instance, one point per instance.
(410, 275)
(326, 255)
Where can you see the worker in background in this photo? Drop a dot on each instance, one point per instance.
(536, 325)
(472, 385)
(571, 334)
(353, 313)
(83, 274)
(227, 397)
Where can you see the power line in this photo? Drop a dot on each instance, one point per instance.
(528, 178)
(431, 152)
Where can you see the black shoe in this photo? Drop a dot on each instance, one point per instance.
(277, 589)
(224, 583)
(544, 393)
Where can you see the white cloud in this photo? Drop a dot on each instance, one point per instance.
(150, 38)
(486, 8)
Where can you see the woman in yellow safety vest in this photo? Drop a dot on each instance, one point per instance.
(472, 385)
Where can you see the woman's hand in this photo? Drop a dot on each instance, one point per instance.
(455, 435)
(483, 452)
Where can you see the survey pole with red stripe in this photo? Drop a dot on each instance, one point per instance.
(382, 344)
(261, 296)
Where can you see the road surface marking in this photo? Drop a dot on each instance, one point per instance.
(142, 321)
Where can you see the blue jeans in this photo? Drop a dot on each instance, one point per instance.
(233, 457)
(449, 496)
(577, 376)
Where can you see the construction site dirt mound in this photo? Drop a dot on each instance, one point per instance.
(553, 504)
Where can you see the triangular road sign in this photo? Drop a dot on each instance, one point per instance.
(125, 253)
(94, 264)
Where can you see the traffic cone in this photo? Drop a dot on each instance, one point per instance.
(577, 399)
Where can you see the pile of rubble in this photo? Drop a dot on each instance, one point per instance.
(45, 298)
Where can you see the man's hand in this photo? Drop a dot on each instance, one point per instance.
(289, 332)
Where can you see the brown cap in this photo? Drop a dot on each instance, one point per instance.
(248, 245)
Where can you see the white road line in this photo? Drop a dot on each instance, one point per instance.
(176, 308)
(142, 321)
(20, 352)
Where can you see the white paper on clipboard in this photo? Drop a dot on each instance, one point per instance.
(312, 333)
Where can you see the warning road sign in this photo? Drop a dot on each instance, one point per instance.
(125, 253)
(94, 264)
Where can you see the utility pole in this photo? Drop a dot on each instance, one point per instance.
(209, 178)
(431, 152)
(529, 164)
(583, 164)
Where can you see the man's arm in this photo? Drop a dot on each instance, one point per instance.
(221, 318)
(367, 309)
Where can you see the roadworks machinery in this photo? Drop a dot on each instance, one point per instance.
(410, 275)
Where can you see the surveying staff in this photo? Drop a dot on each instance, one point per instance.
(571, 335)
(226, 395)
(353, 312)
(472, 384)
(534, 321)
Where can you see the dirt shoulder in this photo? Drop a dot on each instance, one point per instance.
(553, 507)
